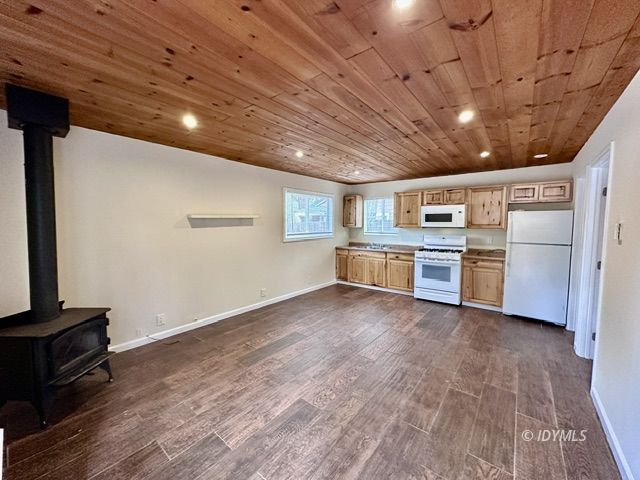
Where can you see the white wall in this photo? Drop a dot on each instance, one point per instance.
(475, 237)
(124, 241)
(616, 376)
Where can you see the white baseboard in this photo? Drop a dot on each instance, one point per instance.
(618, 454)
(138, 342)
(493, 308)
(373, 287)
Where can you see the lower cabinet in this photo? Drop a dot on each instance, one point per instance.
(357, 269)
(388, 270)
(400, 271)
(482, 281)
(342, 264)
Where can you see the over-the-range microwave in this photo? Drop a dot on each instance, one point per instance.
(443, 216)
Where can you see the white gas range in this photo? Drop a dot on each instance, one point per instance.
(438, 268)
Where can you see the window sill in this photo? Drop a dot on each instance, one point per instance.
(303, 239)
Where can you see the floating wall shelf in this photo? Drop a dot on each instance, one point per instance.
(217, 220)
(200, 216)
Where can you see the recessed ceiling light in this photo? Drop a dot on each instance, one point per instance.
(466, 116)
(190, 121)
(484, 154)
(541, 155)
(401, 4)
(357, 172)
(299, 154)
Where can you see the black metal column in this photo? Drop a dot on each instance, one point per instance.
(41, 223)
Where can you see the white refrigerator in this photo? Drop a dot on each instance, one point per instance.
(538, 260)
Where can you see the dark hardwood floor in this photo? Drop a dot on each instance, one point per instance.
(341, 383)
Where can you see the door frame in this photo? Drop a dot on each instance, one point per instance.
(587, 299)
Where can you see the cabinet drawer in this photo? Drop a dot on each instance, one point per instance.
(482, 263)
(359, 253)
(342, 251)
(408, 257)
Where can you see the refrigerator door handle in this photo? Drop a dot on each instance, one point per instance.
(507, 263)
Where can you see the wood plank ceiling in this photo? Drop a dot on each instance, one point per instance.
(368, 91)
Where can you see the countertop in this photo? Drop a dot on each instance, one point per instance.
(494, 254)
(390, 249)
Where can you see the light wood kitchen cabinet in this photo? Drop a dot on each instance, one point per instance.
(432, 197)
(556, 191)
(487, 207)
(482, 281)
(368, 268)
(352, 211)
(357, 269)
(525, 193)
(455, 196)
(342, 264)
(407, 209)
(376, 272)
(400, 271)
(544, 192)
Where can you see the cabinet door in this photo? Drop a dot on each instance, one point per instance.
(400, 274)
(482, 282)
(407, 209)
(455, 196)
(556, 192)
(352, 211)
(487, 207)
(524, 193)
(432, 197)
(342, 267)
(357, 269)
(376, 272)
(349, 211)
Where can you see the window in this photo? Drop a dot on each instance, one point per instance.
(378, 216)
(307, 215)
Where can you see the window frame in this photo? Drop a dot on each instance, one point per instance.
(305, 237)
(364, 223)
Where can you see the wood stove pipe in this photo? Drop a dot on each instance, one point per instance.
(41, 117)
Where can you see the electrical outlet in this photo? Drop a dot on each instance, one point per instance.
(139, 333)
(161, 319)
(263, 292)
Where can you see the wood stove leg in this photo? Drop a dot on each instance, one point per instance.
(43, 404)
(106, 366)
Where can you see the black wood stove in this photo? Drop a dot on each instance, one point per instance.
(47, 346)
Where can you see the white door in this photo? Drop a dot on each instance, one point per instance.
(553, 227)
(537, 281)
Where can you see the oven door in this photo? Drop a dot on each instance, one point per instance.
(443, 216)
(437, 275)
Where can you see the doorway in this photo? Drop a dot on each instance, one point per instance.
(589, 257)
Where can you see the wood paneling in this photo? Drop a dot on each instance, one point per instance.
(358, 86)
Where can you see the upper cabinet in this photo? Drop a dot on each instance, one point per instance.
(352, 211)
(541, 192)
(556, 191)
(433, 197)
(407, 209)
(453, 196)
(487, 207)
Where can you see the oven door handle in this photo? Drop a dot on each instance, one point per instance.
(427, 262)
